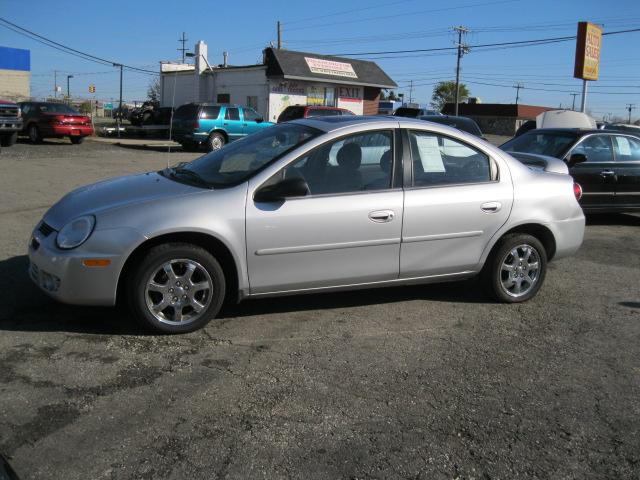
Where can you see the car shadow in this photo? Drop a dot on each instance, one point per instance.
(625, 219)
(154, 148)
(635, 305)
(23, 307)
(44, 142)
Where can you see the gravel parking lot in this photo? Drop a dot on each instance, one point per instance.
(421, 382)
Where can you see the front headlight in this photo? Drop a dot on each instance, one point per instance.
(76, 232)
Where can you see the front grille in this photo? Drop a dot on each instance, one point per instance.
(45, 229)
(8, 111)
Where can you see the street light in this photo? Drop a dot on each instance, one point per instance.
(68, 94)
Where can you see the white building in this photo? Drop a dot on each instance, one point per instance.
(284, 78)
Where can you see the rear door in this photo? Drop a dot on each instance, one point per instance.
(626, 149)
(456, 200)
(597, 175)
(232, 123)
(250, 122)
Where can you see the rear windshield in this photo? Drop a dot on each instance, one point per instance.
(407, 112)
(291, 113)
(57, 108)
(323, 112)
(554, 144)
(186, 112)
(464, 124)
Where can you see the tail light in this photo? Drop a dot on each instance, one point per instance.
(196, 124)
(577, 190)
(57, 120)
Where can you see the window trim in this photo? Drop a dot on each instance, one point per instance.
(393, 183)
(494, 168)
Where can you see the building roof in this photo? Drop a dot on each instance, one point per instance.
(313, 67)
(529, 112)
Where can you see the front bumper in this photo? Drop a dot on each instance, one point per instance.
(62, 275)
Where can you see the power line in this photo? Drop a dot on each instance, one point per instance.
(71, 51)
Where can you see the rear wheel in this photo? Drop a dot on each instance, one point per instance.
(516, 269)
(176, 288)
(34, 134)
(9, 139)
(215, 141)
(76, 140)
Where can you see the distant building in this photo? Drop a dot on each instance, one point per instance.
(497, 118)
(283, 78)
(15, 74)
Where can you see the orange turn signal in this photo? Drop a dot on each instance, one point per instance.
(96, 262)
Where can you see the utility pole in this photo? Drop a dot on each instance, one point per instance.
(279, 35)
(68, 89)
(411, 91)
(55, 84)
(462, 49)
(630, 106)
(119, 118)
(518, 86)
(573, 105)
(183, 40)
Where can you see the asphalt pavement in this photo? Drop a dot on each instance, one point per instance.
(416, 382)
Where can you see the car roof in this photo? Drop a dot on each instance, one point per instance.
(577, 131)
(329, 124)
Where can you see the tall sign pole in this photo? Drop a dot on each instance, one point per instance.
(587, 62)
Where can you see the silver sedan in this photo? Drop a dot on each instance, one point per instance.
(312, 205)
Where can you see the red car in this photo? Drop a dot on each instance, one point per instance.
(294, 112)
(54, 120)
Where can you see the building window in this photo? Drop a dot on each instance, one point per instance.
(252, 102)
(224, 98)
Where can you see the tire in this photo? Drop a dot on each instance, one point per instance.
(145, 118)
(34, 134)
(9, 140)
(76, 140)
(509, 276)
(183, 293)
(215, 141)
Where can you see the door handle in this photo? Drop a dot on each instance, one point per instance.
(225, 123)
(491, 207)
(607, 173)
(382, 216)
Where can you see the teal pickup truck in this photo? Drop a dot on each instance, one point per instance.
(213, 125)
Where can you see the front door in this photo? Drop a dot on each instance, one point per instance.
(457, 200)
(627, 168)
(597, 175)
(345, 231)
(251, 121)
(232, 123)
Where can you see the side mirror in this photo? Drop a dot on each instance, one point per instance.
(576, 158)
(289, 187)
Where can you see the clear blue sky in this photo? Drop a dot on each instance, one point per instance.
(141, 33)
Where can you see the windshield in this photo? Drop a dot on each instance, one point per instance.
(57, 108)
(241, 159)
(551, 144)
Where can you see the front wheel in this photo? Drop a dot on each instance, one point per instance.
(516, 269)
(176, 288)
(215, 142)
(76, 140)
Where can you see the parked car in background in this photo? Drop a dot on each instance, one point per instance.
(294, 112)
(214, 125)
(410, 112)
(10, 122)
(319, 204)
(54, 120)
(525, 127)
(605, 163)
(622, 127)
(465, 124)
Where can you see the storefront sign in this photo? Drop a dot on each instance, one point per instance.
(349, 93)
(588, 46)
(292, 88)
(328, 67)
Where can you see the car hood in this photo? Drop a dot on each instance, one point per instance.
(115, 193)
(541, 162)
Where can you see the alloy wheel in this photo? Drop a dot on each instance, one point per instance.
(520, 270)
(179, 291)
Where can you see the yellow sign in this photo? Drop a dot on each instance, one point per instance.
(588, 47)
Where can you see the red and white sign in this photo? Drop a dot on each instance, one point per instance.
(329, 67)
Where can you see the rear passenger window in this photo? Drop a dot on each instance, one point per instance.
(441, 160)
(627, 149)
(352, 164)
(210, 112)
(232, 114)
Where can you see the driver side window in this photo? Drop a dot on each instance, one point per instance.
(597, 148)
(359, 162)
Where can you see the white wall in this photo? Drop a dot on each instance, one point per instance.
(184, 89)
(239, 84)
